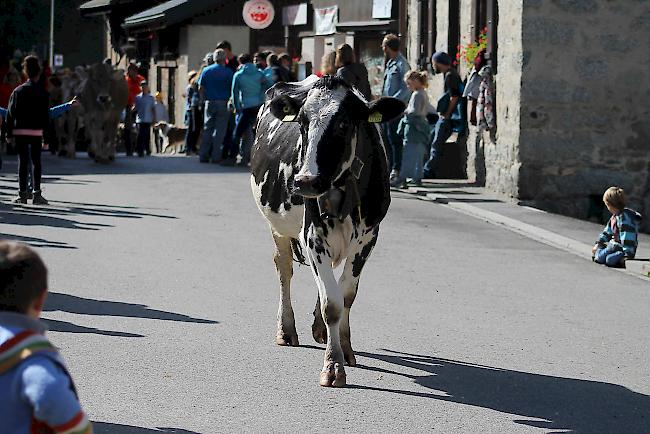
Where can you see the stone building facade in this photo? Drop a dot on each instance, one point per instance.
(571, 87)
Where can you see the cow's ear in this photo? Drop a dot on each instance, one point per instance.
(385, 109)
(285, 108)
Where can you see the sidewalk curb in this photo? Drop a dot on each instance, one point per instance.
(636, 269)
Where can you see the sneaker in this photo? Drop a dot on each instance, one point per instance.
(21, 198)
(398, 183)
(39, 199)
(394, 174)
(415, 183)
(30, 195)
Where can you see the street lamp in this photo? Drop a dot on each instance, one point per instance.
(52, 34)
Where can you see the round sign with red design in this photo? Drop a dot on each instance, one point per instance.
(258, 14)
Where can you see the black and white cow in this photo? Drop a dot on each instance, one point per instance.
(320, 178)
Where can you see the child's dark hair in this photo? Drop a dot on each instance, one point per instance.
(23, 277)
(32, 66)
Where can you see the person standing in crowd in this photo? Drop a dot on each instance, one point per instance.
(133, 81)
(445, 107)
(275, 71)
(231, 62)
(286, 63)
(354, 73)
(259, 59)
(28, 116)
(471, 90)
(161, 115)
(215, 87)
(231, 59)
(193, 113)
(145, 116)
(394, 86)
(328, 64)
(248, 87)
(414, 128)
(208, 59)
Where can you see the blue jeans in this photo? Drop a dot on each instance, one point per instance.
(244, 123)
(442, 132)
(412, 162)
(394, 145)
(214, 129)
(610, 255)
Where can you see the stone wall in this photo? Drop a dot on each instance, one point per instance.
(584, 103)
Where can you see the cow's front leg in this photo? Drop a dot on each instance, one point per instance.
(360, 250)
(286, 332)
(331, 304)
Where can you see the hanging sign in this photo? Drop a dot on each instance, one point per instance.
(294, 15)
(258, 14)
(325, 20)
(58, 60)
(382, 8)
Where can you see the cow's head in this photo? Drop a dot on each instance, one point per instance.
(96, 81)
(329, 114)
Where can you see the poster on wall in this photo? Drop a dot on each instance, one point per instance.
(258, 14)
(325, 20)
(382, 8)
(294, 15)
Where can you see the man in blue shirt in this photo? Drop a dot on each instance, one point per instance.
(145, 116)
(394, 86)
(215, 87)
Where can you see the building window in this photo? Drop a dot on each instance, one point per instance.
(486, 16)
(454, 28)
(427, 32)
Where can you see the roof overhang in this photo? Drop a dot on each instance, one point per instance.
(98, 7)
(167, 14)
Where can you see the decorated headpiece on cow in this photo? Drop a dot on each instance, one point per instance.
(330, 114)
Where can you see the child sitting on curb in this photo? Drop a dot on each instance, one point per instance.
(36, 390)
(619, 238)
(414, 130)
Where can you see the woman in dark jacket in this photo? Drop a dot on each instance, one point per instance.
(27, 117)
(354, 73)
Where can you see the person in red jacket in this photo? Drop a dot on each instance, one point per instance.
(133, 81)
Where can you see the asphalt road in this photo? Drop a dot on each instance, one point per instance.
(164, 295)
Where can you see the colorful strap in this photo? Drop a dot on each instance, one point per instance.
(22, 346)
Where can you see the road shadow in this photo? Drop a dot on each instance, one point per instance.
(114, 428)
(32, 216)
(67, 327)
(86, 306)
(565, 404)
(36, 242)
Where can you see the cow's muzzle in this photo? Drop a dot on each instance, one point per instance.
(309, 186)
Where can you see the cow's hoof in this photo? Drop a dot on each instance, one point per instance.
(332, 375)
(287, 340)
(319, 331)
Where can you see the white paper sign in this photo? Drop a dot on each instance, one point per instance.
(325, 20)
(382, 8)
(58, 60)
(295, 15)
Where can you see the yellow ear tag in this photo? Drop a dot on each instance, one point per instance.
(375, 118)
(289, 118)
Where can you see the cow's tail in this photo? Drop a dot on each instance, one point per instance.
(299, 257)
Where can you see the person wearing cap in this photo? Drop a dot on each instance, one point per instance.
(394, 86)
(215, 88)
(145, 116)
(446, 106)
